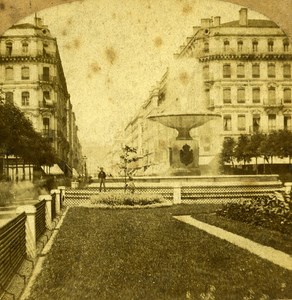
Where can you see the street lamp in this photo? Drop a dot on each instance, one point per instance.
(85, 168)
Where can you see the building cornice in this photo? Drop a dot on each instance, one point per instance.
(251, 56)
(39, 58)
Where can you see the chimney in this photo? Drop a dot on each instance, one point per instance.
(217, 21)
(38, 21)
(243, 20)
(206, 23)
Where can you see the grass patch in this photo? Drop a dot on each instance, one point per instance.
(147, 254)
(261, 235)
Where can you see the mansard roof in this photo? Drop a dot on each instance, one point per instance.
(252, 23)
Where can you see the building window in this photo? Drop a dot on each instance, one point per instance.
(240, 71)
(46, 73)
(256, 95)
(255, 46)
(45, 49)
(271, 70)
(206, 47)
(46, 123)
(255, 70)
(270, 45)
(239, 46)
(271, 122)
(226, 45)
(206, 72)
(226, 71)
(286, 45)
(25, 98)
(287, 95)
(207, 97)
(227, 95)
(9, 97)
(227, 123)
(256, 121)
(9, 73)
(241, 95)
(8, 48)
(271, 95)
(241, 122)
(25, 47)
(287, 71)
(287, 123)
(25, 73)
(47, 98)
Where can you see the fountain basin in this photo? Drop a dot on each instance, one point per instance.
(184, 122)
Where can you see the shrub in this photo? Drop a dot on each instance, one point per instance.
(6, 193)
(272, 211)
(127, 199)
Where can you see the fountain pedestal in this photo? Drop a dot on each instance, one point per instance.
(185, 158)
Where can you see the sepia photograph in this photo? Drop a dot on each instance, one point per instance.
(145, 150)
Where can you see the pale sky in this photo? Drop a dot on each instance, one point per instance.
(114, 51)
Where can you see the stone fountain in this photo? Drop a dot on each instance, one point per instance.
(185, 109)
(185, 150)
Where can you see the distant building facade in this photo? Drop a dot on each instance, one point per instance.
(32, 77)
(243, 74)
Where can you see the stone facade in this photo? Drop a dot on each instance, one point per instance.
(32, 77)
(240, 70)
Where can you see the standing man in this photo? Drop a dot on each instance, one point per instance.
(101, 176)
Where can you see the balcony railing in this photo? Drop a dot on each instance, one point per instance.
(47, 78)
(270, 103)
(47, 104)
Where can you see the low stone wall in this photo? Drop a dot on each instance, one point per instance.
(189, 189)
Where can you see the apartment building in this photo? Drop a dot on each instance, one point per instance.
(32, 77)
(242, 71)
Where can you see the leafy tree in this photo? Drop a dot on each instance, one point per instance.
(129, 154)
(242, 149)
(254, 146)
(228, 151)
(18, 138)
(284, 143)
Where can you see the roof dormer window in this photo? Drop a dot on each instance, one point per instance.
(226, 45)
(8, 48)
(239, 45)
(286, 45)
(24, 47)
(270, 45)
(255, 44)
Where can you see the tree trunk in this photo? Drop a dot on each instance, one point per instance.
(23, 170)
(7, 166)
(29, 171)
(16, 168)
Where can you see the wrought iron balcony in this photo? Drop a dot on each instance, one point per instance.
(273, 103)
(47, 78)
(47, 104)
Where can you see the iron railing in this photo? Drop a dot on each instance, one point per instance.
(40, 219)
(12, 249)
(53, 206)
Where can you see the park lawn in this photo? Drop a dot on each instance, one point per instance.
(264, 236)
(147, 254)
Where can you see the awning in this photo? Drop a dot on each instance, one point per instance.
(54, 170)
